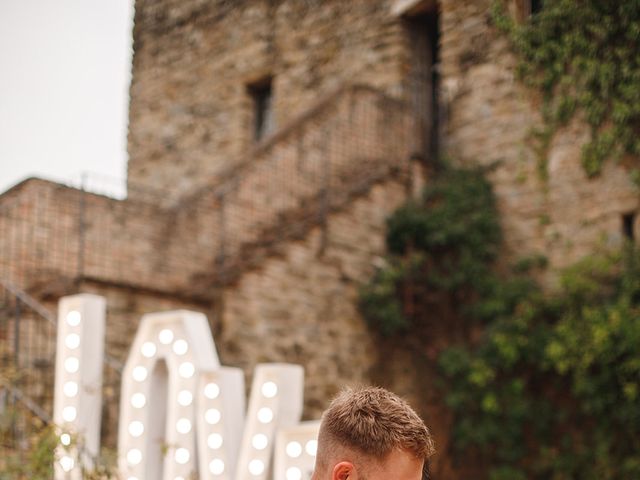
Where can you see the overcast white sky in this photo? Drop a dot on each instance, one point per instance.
(64, 80)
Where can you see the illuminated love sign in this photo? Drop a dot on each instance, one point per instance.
(77, 397)
(181, 413)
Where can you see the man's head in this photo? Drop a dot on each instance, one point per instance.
(371, 434)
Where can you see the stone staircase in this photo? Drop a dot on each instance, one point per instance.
(53, 237)
(346, 160)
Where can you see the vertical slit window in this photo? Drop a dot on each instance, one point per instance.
(536, 6)
(628, 221)
(262, 96)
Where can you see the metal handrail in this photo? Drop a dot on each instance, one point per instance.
(33, 304)
(28, 300)
(32, 406)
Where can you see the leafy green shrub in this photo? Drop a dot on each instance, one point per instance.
(36, 463)
(551, 386)
(443, 243)
(35, 459)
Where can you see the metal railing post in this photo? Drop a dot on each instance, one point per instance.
(81, 226)
(220, 260)
(16, 335)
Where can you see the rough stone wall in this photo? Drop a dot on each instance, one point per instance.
(191, 114)
(191, 119)
(301, 306)
(344, 143)
(490, 115)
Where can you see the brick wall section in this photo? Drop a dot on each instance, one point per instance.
(191, 114)
(51, 235)
(38, 231)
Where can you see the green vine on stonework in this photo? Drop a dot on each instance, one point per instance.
(584, 56)
(441, 245)
(552, 390)
(547, 385)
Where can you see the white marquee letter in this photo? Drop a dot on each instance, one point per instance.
(220, 417)
(276, 402)
(78, 382)
(156, 438)
(296, 448)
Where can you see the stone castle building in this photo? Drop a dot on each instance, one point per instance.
(269, 140)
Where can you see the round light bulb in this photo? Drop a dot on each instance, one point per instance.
(139, 374)
(67, 463)
(180, 347)
(265, 415)
(269, 389)
(259, 441)
(65, 439)
(216, 466)
(165, 336)
(134, 456)
(70, 389)
(186, 370)
(214, 441)
(136, 428)
(182, 456)
(212, 416)
(211, 390)
(69, 414)
(72, 341)
(71, 364)
(138, 400)
(311, 447)
(73, 318)
(183, 425)
(294, 449)
(185, 397)
(294, 473)
(148, 349)
(256, 467)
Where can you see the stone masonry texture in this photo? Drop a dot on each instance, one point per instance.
(273, 238)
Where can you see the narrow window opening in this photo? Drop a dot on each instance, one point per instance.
(628, 221)
(424, 78)
(262, 96)
(525, 9)
(536, 6)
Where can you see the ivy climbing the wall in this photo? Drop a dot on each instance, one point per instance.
(542, 385)
(584, 57)
(552, 390)
(433, 256)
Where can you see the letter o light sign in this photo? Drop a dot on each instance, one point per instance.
(156, 436)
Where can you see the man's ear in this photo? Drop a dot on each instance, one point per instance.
(344, 471)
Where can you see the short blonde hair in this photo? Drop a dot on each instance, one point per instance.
(372, 422)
